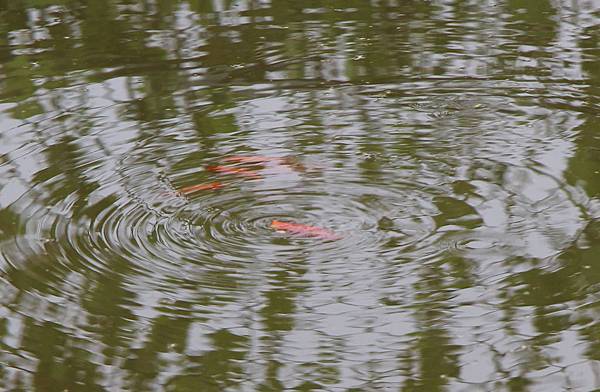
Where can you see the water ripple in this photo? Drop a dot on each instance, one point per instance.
(447, 155)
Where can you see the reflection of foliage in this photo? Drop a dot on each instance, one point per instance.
(100, 42)
(439, 359)
(10, 224)
(18, 84)
(584, 166)
(432, 358)
(62, 363)
(216, 370)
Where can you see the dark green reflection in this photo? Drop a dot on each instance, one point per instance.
(453, 145)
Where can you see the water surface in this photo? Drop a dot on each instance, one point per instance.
(454, 147)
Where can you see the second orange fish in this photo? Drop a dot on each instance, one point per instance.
(200, 187)
(240, 171)
(305, 230)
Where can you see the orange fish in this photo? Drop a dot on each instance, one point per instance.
(261, 160)
(200, 187)
(305, 230)
(240, 171)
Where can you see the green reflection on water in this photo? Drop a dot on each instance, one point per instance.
(90, 304)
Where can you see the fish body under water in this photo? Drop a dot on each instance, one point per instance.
(240, 171)
(286, 162)
(305, 230)
(200, 187)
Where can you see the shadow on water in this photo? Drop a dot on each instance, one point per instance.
(448, 150)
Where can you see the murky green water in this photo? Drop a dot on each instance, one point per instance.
(443, 157)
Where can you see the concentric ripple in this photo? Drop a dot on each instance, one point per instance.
(232, 224)
(384, 203)
(448, 152)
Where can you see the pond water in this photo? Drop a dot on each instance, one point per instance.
(299, 195)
